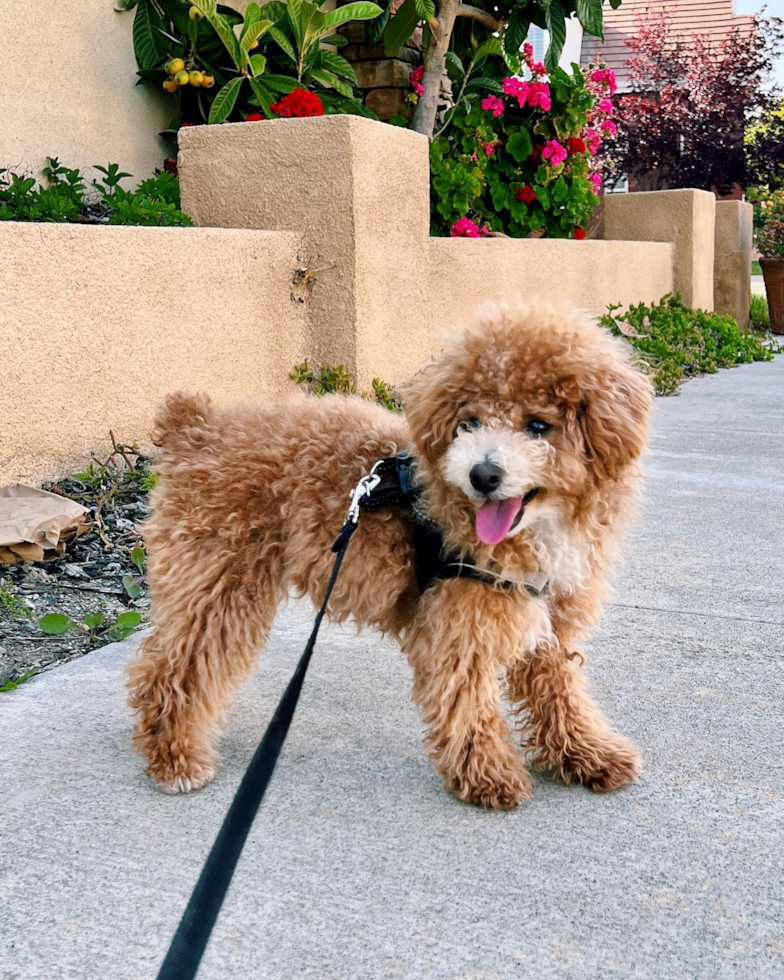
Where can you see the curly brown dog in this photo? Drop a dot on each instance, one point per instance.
(525, 430)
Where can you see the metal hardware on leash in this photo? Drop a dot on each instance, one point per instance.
(364, 488)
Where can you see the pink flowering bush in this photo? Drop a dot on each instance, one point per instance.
(521, 154)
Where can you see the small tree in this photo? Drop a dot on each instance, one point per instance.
(764, 144)
(511, 18)
(683, 123)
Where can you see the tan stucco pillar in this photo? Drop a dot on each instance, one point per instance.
(357, 192)
(686, 218)
(732, 269)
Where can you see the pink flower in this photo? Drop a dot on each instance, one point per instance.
(606, 107)
(416, 80)
(528, 50)
(605, 76)
(474, 157)
(596, 182)
(493, 104)
(466, 228)
(554, 153)
(608, 126)
(537, 68)
(488, 148)
(592, 141)
(538, 95)
(517, 88)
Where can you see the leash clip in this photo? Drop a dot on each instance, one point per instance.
(364, 488)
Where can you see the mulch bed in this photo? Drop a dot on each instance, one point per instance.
(89, 579)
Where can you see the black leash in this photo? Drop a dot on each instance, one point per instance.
(193, 933)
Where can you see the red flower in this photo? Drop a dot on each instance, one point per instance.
(170, 166)
(536, 153)
(579, 234)
(299, 104)
(526, 194)
(254, 117)
(416, 80)
(186, 125)
(576, 145)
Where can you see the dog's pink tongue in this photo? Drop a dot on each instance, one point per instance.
(495, 517)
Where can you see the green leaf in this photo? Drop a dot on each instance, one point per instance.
(54, 624)
(221, 26)
(560, 190)
(275, 11)
(128, 620)
(426, 9)
(253, 33)
(137, 557)
(257, 63)
(252, 13)
(400, 29)
(520, 145)
(328, 79)
(338, 65)
(589, 13)
(515, 32)
(376, 28)
(263, 97)
(556, 24)
(336, 40)
(492, 46)
(131, 586)
(453, 60)
(297, 15)
(283, 42)
(93, 620)
(224, 101)
(361, 10)
(615, 4)
(281, 83)
(484, 85)
(143, 37)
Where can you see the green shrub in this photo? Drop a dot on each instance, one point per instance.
(676, 343)
(760, 317)
(331, 380)
(65, 198)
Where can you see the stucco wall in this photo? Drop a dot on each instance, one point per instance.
(732, 265)
(68, 89)
(98, 323)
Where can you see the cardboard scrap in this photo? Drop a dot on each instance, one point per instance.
(36, 525)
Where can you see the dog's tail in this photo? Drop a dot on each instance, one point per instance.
(184, 422)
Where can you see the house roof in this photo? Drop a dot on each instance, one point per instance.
(714, 18)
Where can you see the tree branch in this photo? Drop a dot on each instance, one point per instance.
(474, 13)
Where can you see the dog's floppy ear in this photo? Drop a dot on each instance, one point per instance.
(614, 418)
(432, 404)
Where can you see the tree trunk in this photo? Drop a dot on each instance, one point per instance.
(434, 67)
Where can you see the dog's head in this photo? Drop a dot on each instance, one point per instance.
(529, 410)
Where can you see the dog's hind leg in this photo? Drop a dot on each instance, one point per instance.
(460, 636)
(563, 727)
(213, 612)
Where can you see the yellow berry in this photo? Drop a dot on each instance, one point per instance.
(182, 78)
(175, 65)
(207, 81)
(196, 78)
(195, 14)
(254, 45)
(170, 85)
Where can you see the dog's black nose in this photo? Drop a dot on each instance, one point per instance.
(486, 477)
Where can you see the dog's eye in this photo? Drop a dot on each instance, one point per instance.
(537, 427)
(468, 424)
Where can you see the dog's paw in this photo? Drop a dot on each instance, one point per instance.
(500, 782)
(180, 775)
(602, 766)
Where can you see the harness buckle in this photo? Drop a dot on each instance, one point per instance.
(364, 488)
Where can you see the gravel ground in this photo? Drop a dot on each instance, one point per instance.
(89, 579)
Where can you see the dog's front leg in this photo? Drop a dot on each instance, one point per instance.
(462, 633)
(564, 729)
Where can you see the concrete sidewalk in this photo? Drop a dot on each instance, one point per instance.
(360, 866)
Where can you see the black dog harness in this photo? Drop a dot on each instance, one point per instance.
(397, 486)
(391, 482)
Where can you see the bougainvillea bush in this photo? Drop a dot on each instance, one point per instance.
(520, 154)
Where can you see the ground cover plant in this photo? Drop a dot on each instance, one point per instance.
(267, 62)
(64, 196)
(52, 612)
(675, 342)
(760, 315)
